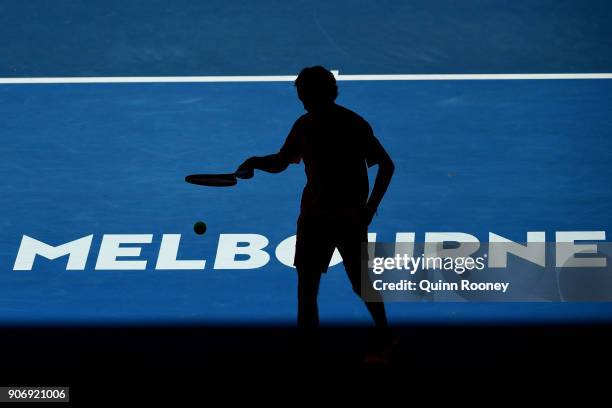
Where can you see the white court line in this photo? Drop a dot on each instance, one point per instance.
(291, 78)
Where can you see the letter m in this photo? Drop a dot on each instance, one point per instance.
(77, 252)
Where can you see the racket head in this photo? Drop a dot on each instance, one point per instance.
(212, 180)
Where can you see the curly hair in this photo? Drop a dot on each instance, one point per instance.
(316, 84)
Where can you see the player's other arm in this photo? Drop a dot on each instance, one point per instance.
(376, 154)
(381, 183)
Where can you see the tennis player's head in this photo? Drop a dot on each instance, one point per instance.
(316, 87)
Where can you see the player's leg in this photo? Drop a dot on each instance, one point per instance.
(313, 252)
(308, 290)
(355, 261)
(355, 257)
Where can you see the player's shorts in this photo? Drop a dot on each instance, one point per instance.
(318, 237)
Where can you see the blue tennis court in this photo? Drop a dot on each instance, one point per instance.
(474, 156)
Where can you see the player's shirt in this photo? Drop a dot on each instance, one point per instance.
(337, 146)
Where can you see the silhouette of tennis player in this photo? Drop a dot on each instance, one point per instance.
(337, 146)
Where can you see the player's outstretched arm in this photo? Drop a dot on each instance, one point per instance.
(272, 163)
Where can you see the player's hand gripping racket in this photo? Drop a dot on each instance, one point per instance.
(219, 180)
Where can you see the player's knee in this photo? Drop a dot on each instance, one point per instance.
(307, 294)
(356, 287)
(307, 299)
(355, 279)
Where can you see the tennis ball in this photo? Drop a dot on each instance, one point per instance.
(199, 227)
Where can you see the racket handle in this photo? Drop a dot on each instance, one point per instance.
(244, 174)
